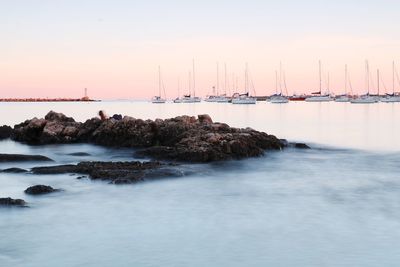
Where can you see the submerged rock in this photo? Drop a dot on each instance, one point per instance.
(183, 138)
(14, 170)
(5, 132)
(115, 172)
(9, 202)
(301, 146)
(20, 157)
(40, 190)
(79, 154)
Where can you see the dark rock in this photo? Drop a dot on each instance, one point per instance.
(87, 129)
(19, 157)
(116, 172)
(205, 118)
(29, 131)
(5, 132)
(14, 170)
(56, 169)
(40, 190)
(117, 117)
(55, 116)
(183, 138)
(79, 154)
(9, 202)
(301, 146)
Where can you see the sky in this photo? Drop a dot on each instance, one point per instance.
(56, 48)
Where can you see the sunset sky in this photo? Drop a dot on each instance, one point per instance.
(57, 48)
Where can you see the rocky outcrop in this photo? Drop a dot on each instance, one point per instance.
(9, 202)
(20, 157)
(5, 132)
(40, 190)
(14, 170)
(79, 154)
(116, 172)
(183, 138)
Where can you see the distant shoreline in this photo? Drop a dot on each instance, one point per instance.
(48, 100)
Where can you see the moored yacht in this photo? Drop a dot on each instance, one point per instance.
(278, 98)
(393, 97)
(158, 99)
(364, 99)
(244, 98)
(345, 97)
(318, 96)
(188, 98)
(367, 98)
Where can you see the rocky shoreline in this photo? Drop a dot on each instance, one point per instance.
(180, 139)
(183, 138)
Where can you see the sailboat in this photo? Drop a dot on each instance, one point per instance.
(345, 97)
(393, 97)
(216, 97)
(223, 98)
(367, 98)
(318, 96)
(278, 98)
(245, 97)
(188, 98)
(158, 99)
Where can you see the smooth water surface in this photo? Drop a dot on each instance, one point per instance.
(337, 204)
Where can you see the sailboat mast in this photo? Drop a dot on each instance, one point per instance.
(320, 79)
(393, 68)
(367, 66)
(284, 82)
(328, 83)
(345, 79)
(217, 78)
(246, 82)
(276, 82)
(179, 87)
(190, 82)
(377, 74)
(280, 77)
(194, 80)
(225, 79)
(159, 81)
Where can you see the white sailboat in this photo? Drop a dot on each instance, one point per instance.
(216, 97)
(345, 97)
(244, 98)
(318, 96)
(158, 99)
(278, 98)
(188, 98)
(393, 97)
(223, 98)
(367, 98)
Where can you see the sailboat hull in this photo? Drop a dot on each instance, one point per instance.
(318, 99)
(278, 100)
(244, 101)
(342, 99)
(390, 99)
(364, 100)
(158, 101)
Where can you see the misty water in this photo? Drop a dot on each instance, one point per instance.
(337, 204)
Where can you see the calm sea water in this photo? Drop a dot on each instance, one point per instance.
(335, 205)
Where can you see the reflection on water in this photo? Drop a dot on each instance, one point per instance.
(319, 207)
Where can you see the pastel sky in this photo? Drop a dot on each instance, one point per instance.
(55, 48)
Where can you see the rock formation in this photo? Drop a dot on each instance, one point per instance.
(183, 138)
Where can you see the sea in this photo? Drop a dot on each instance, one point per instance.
(337, 204)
